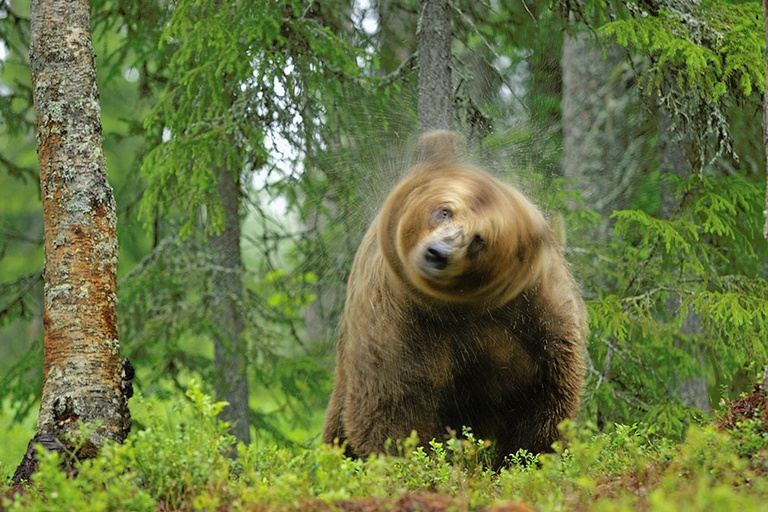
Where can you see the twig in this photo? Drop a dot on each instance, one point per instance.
(407, 65)
(25, 284)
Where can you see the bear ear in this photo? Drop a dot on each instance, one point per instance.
(439, 146)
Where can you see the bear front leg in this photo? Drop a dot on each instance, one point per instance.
(371, 418)
(333, 429)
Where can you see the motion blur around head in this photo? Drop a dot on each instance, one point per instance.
(460, 230)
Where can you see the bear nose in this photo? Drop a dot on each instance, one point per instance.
(437, 255)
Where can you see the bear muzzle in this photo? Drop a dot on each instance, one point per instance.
(437, 258)
(437, 255)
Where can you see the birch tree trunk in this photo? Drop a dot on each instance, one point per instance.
(434, 48)
(84, 380)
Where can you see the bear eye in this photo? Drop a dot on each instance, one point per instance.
(476, 245)
(442, 215)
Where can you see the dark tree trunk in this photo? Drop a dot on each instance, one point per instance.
(84, 380)
(692, 391)
(434, 48)
(227, 295)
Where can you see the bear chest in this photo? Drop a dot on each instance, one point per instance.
(476, 355)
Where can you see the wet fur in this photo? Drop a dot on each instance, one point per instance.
(465, 318)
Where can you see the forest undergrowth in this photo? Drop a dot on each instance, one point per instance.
(179, 457)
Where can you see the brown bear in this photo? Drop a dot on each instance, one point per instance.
(460, 311)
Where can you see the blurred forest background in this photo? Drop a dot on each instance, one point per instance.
(250, 143)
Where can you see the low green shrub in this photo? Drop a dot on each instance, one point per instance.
(181, 458)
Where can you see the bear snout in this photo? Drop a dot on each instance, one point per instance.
(437, 255)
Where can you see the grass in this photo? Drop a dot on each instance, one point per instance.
(15, 437)
(181, 460)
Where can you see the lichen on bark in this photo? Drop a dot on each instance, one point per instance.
(84, 380)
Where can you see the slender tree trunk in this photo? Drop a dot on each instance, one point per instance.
(227, 293)
(599, 143)
(600, 146)
(83, 378)
(693, 391)
(434, 48)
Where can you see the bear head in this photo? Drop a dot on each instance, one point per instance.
(456, 234)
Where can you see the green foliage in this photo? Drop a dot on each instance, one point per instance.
(168, 328)
(177, 459)
(291, 304)
(703, 55)
(749, 441)
(101, 485)
(717, 473)
(238, 72)
(667, 274)
(17, 434)
(173, 460)
(707, 46)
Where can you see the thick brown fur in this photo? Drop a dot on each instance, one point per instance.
(460, 311)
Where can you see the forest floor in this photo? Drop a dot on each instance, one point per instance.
(184, 463)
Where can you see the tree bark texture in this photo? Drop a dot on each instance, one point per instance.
(84, 379)
(227, 296)
(600, 146)
(694, 391)
(600, 149)
(434, 49)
